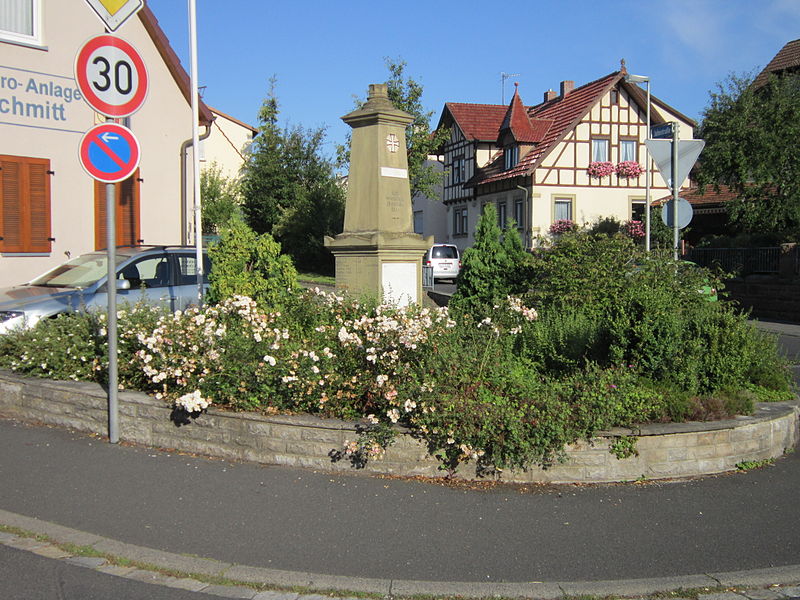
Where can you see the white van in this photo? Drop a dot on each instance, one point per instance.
(445, 260)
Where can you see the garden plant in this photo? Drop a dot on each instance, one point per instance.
(595, 335)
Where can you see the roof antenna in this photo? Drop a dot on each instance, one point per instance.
(503, 77)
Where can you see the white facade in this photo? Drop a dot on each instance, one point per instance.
(228, 144)
(43, 117)
(555, 182)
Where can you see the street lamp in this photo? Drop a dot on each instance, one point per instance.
(643, 79)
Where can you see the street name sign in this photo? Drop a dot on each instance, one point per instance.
(109, 152)
(661, 152)
(111, 76)
(663, 130)
(113, 13)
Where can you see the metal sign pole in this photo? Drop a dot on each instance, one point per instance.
(675, 185)
(111, 286)
(648, 166)
(198, 211)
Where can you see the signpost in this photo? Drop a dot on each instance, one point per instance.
(113, 80)
(109, 152)
(674, 159)
(113, 13)
(111, 76)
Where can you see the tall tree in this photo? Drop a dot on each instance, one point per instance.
(290, 189)
(405, 94)
(751, 145)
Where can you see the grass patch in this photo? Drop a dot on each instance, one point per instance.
(316, 278)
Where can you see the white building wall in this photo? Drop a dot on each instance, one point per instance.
(160, 126)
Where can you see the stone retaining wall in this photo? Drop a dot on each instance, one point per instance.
(672, 450)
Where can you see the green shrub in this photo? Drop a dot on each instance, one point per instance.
(494, 267)
(248, 264)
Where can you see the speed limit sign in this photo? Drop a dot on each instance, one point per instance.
(111, 76)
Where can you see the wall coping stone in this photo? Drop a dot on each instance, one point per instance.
(306, 440)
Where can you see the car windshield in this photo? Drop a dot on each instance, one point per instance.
(445, 252)
(78, 273)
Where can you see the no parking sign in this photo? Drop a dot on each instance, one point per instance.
(109, 152)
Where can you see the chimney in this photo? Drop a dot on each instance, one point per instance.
(549, 95)
(567, 87)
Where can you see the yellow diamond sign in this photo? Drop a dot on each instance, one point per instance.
(115, 12)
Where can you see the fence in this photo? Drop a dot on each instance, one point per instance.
(742, 261)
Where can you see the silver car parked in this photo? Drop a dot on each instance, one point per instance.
(159, 274)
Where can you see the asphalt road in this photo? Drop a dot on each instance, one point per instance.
(26, 576)
(354, 525)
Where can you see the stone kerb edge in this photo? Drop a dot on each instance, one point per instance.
(665, 451)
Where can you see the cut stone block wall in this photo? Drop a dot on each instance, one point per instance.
(665, 450)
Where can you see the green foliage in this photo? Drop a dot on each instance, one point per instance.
(290, 189)
(624, 447)
(751, 145)
(492, 268)
(507, 391)
(248, 264)
(582, 269)
(405, 94)
(220, 197)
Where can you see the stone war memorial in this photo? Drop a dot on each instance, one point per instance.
(378, 252)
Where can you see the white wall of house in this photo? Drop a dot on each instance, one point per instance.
(41, 74)
(227, 145)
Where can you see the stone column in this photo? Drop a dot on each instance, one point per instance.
(378, 252)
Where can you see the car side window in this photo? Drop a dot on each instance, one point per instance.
(149, 272)
(187, 269)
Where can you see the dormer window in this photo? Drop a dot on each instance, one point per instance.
(511, 156)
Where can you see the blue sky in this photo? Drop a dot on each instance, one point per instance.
(324, 53)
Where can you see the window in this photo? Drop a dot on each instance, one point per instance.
(562, 209)
(638, 210)
(127, 213)
(459, 170)
(627, 150)
(501, 214)
(418, 221)
(599, 149)
(511, 155)
(19, 21)
(460, 221)
(519, 212)
(614, 96)
(24, 204)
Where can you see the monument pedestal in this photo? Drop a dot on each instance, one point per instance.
(378, 253)
(390, 264)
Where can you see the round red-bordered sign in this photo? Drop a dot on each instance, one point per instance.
(109, 152)
(111, 76)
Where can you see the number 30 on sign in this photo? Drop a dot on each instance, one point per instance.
(111, 76)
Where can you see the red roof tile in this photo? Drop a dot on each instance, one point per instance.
(787, 59)
(523, 129)
(698, 197)
(478, 122)
(563, 113)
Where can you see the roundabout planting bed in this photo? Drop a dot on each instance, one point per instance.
(489, 385)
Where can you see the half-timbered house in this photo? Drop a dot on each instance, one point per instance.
(556, 160)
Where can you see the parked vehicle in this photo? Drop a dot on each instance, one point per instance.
(445, 260)
(160, 274)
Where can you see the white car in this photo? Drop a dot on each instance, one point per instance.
(445, 260)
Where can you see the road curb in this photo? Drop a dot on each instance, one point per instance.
(284, 584)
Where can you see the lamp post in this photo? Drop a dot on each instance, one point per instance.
(643, 79)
